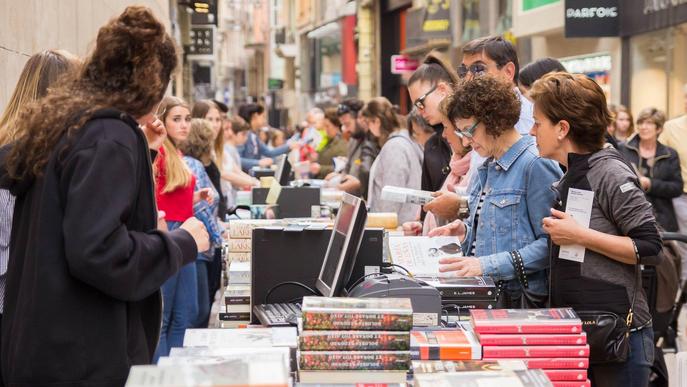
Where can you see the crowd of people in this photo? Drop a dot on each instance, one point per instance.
(114, 196)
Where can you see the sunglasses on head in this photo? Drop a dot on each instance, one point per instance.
(420, 102)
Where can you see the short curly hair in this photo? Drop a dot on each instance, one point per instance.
(199, 142)
(489, 100)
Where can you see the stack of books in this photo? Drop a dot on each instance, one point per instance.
(459, 295)
(355, 340)
(548, 339)
(236, 312)
(240, 242)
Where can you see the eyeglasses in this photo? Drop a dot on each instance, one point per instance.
(467, 133)
(477, 69)
(420, 102)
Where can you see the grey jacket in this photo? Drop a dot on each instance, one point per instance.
(399, 164)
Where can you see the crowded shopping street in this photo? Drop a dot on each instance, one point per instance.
(343, 193)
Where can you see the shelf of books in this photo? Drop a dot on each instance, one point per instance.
(371, 342)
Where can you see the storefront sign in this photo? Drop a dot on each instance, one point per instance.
(640, 16)
(401, 64)
(591, 18)
(202, 41)
(528, 5)
(428, 23)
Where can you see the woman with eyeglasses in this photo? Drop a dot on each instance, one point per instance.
(571, 117)
(510, 194)
(399, 162)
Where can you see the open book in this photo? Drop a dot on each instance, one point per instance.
(420, 255)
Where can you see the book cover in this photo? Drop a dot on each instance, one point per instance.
(433, 366)
(553, 363)
(555, 320)
(463, 288)
(566, 375)
(243, 245)
(354, 341)
(340, 313)
(206, 355)
(518, 351)
(444, 345)
(354, 360)
(533, 339)
(239, 273)
(406, 195)
(420, 255)
(352, 378)
(525, 378)
(585, 383)
(242, 338)
(235, 372)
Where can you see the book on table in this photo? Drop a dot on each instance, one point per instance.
(420, 254)
(354, 360)
(554, 320)
(525, 351)
(524, 378)
(444, 345)
(553, 363)
(434, 366)
(242, 338)
(354, 341)
(341, 313)
(365, 378)
(207, 355)
(532, 339)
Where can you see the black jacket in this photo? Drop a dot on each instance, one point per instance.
(666, 180)
(436, 163)
(82, 303)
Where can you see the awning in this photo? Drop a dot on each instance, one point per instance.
(332, 30)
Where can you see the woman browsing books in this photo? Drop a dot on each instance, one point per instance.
(510, 194)
(571, 117)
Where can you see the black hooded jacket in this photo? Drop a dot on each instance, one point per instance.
(82, 303)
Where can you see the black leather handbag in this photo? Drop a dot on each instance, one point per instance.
(608, 334)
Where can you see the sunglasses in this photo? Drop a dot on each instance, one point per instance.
(477, 69)
(420, 102)
(467, 133)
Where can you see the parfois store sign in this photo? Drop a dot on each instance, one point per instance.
(591, 18)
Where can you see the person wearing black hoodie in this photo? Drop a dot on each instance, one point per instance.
(86, 257)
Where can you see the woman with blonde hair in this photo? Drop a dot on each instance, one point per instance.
(85, 240)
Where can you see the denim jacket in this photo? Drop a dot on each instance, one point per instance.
(205, 212)
(517, 198)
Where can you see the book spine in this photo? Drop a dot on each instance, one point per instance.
(239, 277)
(506, 327)
(356, 321)
(566, 375)
(510, 339)
(468, 304)
(228, 300)
(369, 361)
(239, 257)
(240, 245)
(536, 351)
(444, 353)
(585, 383)
(354, 341)
(552, 363)
(237, 308)
(234, 316)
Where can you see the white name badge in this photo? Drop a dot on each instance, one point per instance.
(579, 207)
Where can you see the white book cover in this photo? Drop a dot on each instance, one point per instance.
(239, 273)
(206, 355)
(242, 338)
(420, 254)
(406, 195)
(234, 372)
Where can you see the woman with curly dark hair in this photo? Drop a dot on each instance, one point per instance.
(82, 301)
(508, 197)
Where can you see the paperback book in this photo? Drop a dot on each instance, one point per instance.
(352, 378)
(234, 316)
(340, 313)
(354, 360)
(406, 195)
(585, 383)
(444, 345)
(239, 257)
(239, 273)
(553, 363)
(555, 320)
(205, 355)
(566, 375)
(463, 288)
(434, 366)
(533, 339)
(243, 245)
(420, 255)
(526, 378)
(242, 338)
(354, 341)
(518, 351)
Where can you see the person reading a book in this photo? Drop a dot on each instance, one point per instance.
(594, 257)
(510, 194)
(87, 259)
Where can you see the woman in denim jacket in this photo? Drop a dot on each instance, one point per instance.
(508, 195)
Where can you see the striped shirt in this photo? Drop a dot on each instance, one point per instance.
(6, 214)
(480, 204)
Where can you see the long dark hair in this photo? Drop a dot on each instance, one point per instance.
(129, 70)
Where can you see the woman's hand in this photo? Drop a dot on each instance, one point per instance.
(562, 228)
(456, 229)
(202, 194)
(412, 228)
(445, 205)
(199, 233)
(161, 223)
(645, 182)
(155, 133)
(461, 266)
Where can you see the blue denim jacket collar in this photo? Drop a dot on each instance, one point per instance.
(514, 152)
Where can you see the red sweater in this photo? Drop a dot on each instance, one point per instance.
(178, 204)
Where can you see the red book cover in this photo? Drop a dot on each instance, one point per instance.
(585, 383)
(444, 345)
(534, 339)
(566, 375)
(535, 351)
(554, 320)
(553, 363)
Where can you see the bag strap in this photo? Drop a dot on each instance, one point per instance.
(630, 312)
